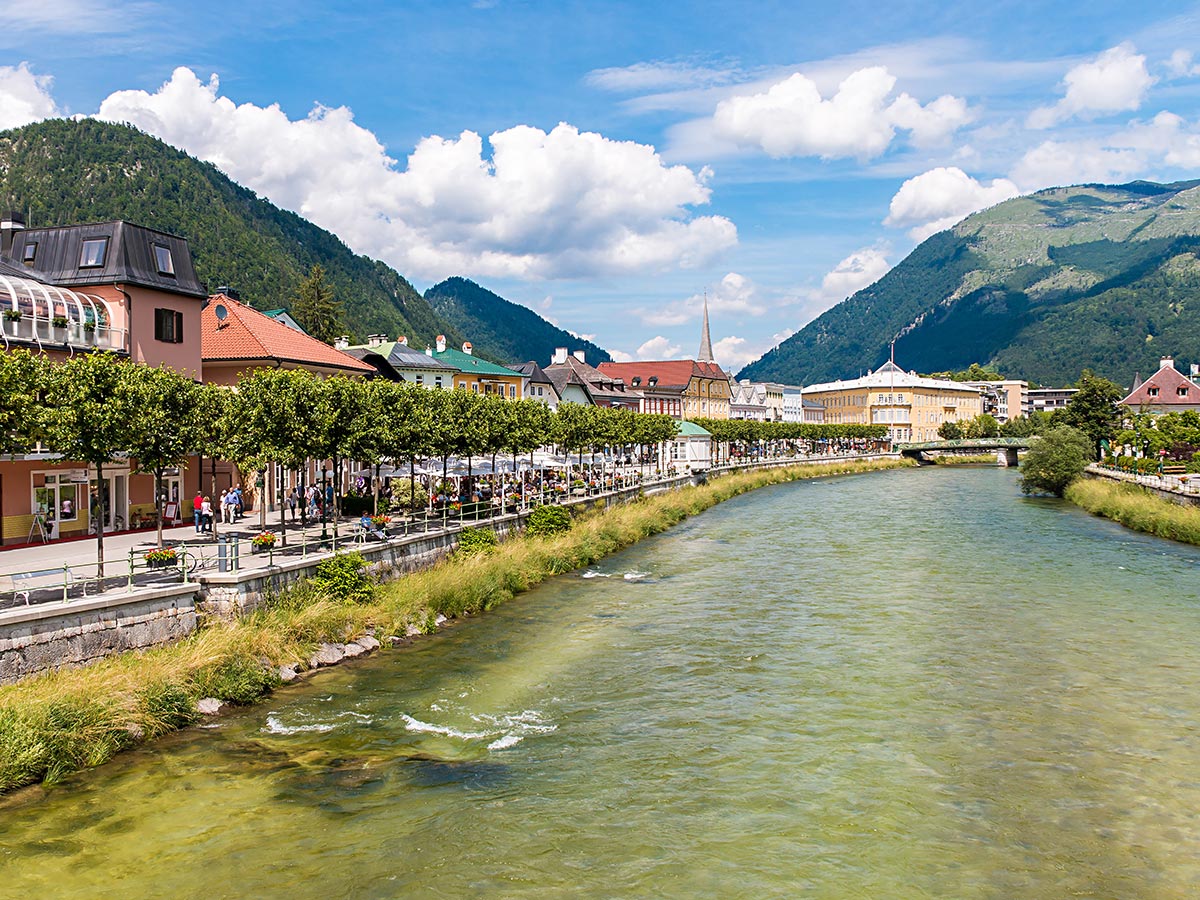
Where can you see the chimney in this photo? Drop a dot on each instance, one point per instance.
(441, 343)
(578, 354)
(375, 340)
(467, 347)
(343, 342)
(10, 224)
(229, 292)
(560, 356)
(1195, 370)
(402, 341)
(429, 351)
(1167, 362)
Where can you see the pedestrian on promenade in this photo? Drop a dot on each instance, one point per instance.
(237, 502)
(224, 506)
(197, 510)
(206, 514)
(291, 502)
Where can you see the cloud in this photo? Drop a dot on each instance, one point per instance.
(562, 203)
(855, 272)
(734, 295)
(24, 97)
(1055, 163)
(658, 347)
(620, 356)
(68, 16)
(1180, 65)
(935, 200)
(657, 76)
(791, 118)
(1115, 81)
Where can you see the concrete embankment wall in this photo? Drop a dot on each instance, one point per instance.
(54, 635)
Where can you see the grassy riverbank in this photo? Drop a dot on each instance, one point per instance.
(1136, 508)
(977, 459)
(60, 722)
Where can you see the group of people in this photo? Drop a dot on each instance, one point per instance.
(230, 506)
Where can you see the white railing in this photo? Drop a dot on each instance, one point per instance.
(74, 334)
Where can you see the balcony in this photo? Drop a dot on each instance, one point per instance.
(74, 335)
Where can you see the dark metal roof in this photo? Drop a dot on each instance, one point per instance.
(129, 257)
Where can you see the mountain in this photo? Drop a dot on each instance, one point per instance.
(63, 172)
(502, 330)
(1105, 277)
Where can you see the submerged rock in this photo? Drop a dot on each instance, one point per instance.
(368, 643)
(287, 674)
(209, 706)
(352, 650)
(327, 655)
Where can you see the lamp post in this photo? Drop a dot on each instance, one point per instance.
(324, 502)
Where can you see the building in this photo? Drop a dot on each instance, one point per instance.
(912, 407)
(538, 385)
(396, 361)
(1049, 399)
(578, 382)
(748, 401)
(1167, 390)
(1004, 400)
(700, 388)
(110, 286)
(691, 450)
(478, 375)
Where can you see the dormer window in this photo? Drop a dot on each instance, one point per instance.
(162, 258)
(91, 256)
(29, 253)
(1182, 391)
(1152, 392)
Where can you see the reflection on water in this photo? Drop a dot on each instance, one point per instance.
(910, 684)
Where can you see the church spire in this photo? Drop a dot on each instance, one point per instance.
(706, 354)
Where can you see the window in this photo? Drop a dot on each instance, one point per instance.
(475, 386)
(420, 379)
(437, 382)
(1153, 392)
(1182, 391)
(29, 253)
(512, 391)
(162, 257)
(93, 253)
(168, 326)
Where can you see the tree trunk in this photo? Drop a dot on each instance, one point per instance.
(158, 512)
(100, 522)
(262, 500)
(283, 509)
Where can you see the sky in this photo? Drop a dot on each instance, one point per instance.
(610, 165)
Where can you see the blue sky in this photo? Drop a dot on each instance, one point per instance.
(606, 164)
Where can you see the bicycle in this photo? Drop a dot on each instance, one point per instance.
(200, 557)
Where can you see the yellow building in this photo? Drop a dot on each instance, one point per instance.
(479, 375)
(912, 407)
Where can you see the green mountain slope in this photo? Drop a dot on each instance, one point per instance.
(64, 172)
(502, 330)
(1039, 287)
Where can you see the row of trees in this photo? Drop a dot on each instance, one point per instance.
(738, 436)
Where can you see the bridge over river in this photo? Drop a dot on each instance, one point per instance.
(1005, 449)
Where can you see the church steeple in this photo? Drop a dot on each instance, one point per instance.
(706, 354)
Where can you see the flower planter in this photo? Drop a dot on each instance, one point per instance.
(161, 563)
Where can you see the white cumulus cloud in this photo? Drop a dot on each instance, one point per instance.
(542, 204)
(935, 200)
(733, 295)
(1115, 81)
(658, 347)
(1180, 65)
(855, 272)
(1056, 163)
(791, 118)
(24, 97)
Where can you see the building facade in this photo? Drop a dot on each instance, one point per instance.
(1004, 400)
(478, 375)
(702, 388)
(1167, 390)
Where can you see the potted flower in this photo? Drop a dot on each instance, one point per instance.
(380, 522)
(161, 557)
(59, 324)
(12, 316)
(264, 540)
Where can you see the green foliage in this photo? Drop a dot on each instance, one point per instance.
(548, 520)
(23, 379)
(474, 541)
(344, 577)
(165, 706)
(1054, 460)
(317, 308)
(950, 431)
(240, 678)
(506, 332)
(1136, 508)
(236, 237)
(1034, 287)
(1093, 408)
(408, 497)
(973, 372)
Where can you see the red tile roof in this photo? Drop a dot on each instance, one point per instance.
(246, 335)
(671, 373)
(1167, 381)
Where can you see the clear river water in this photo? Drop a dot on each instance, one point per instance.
(906, 684)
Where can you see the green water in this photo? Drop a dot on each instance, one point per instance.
(907, 684)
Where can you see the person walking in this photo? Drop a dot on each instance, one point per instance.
(197, 510)
(291, 502)
(223, 506)
(206, 514)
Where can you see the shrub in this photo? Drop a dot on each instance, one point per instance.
(344, 577)
(406, 497)
(1055, 460)
(548, 520)
(357, 504)
(477, 540)
(165, 706)
(240, 678)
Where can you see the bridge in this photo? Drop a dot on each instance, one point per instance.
(1004, 448)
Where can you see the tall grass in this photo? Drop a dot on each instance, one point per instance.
(1136, 508)
(59, 722)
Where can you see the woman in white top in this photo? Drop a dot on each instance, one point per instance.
(206, 514)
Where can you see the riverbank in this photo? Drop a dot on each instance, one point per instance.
(64, 721)
(1136, 508)
(977, 459)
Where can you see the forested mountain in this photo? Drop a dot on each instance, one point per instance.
(62, 172)
(502, 330)
(1040, 287)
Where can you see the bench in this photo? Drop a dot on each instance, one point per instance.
(1174, 470)
(22, 584)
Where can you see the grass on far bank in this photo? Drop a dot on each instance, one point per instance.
(55, 723)
(1136, 508)
(976, 459)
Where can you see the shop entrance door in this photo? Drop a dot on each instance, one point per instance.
(108, 503)
(172, 493)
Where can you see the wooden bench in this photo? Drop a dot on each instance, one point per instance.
(1174, 470)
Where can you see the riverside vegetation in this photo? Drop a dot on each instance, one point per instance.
(60, 722)
(1136, 508)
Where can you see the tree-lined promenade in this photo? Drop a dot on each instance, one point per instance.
(99, 409)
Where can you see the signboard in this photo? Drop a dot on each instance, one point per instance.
(171, 512)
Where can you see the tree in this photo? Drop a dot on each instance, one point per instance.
(317, 308)
(22, 385)
(1093, 408)
(1054, 460)
(167, 427)
(950, 431)
(93, 399)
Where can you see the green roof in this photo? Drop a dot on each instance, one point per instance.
(465, 362)
(691, 429)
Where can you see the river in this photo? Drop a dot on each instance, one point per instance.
(905, 684)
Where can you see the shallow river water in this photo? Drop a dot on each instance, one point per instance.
(906, 684)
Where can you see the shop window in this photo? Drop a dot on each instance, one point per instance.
(168, 326)
(91, 255)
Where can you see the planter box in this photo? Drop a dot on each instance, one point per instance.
(161, 563)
